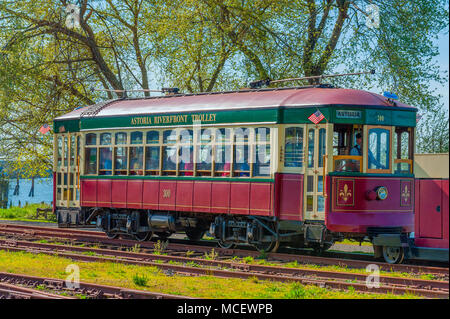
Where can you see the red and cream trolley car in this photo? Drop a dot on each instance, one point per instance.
(248, 166)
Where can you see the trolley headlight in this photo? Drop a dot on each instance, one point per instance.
(382, 193)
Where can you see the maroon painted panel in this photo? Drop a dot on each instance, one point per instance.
(353, 209)
(289, 196)
(260, 199)
(167, 195)
(202, 196)
(134, 193)
(150, 194)
(119, 193)
(104, 193)
(445, 210)
(239, 198)
(417, 208)
(220, 197)
(89, 192)
(355, 198)
(358, 222)
(431, 243)
(430, 217)
(184, 195)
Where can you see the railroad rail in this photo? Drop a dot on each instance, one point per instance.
(329, 279)
(93, 291)
(26, 231)
(10, 291)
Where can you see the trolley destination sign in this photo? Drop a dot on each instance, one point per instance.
(348, 114)
(174, 119)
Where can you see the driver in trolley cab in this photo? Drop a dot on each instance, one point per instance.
(357, 151)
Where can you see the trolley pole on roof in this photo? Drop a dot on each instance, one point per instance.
(167, 91)
(259, 83)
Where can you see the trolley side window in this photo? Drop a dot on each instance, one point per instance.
(208, 152)
(186, 153)
(136, 153)
(169, 153)
(347, 153)
(90, 154)
(241, 167)
(261, 152)
(152, 153)
(403, 150)
(59, 151)
(378, 149)
(136, 160)
(120, 154)
(203, 156)
(91, 161)
(105, 139)
(222, 157)
(293, 145)
(322, 145)
(91, 139)
(105, 164)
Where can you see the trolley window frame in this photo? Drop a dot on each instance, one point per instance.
(195, 143)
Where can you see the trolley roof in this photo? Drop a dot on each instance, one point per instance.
(263, 105)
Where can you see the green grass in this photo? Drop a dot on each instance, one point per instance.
(352, 242)
(296, 264)
(26, 213)
(153, 279)
(140, 280)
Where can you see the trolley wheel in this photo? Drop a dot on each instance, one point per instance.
(225, 244)
(195, 234)
(268, 246)
(164, 234)
(143, 236)
(111, 235)
(393, 255)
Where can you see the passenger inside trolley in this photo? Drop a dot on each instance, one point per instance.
(357, 151)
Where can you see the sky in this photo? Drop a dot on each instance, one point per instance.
(442, 60)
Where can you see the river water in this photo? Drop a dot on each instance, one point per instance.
(43, 191)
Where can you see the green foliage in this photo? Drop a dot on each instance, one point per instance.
(212, 255)
(27, 212)
(248, 260)
(135, 249)
(47, 68)
(160, 247)
(433, 133)
(297, 291)
(140, 280)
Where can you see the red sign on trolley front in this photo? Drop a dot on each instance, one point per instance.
(345, 192)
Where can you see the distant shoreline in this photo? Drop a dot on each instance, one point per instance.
(43, 191)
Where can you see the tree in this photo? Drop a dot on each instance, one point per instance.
(432, 133)
(49, 62)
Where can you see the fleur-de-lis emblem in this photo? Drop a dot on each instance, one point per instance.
(166, 193)
(345, 193)
(405, 194)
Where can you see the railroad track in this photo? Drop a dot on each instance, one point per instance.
(10, 291)
(22, 286)
(26, 231)
(220, 268)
